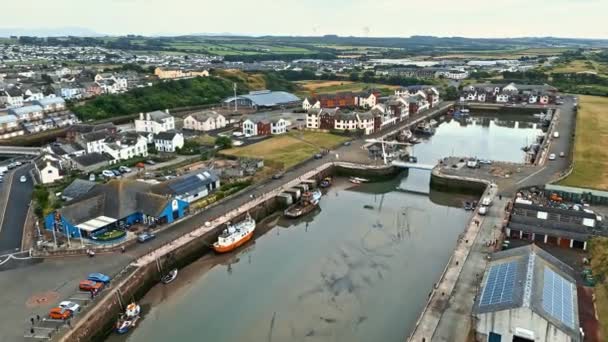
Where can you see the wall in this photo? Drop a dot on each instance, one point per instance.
(504, 323)
(445, 184)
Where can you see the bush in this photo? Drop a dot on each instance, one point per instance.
(223, 142)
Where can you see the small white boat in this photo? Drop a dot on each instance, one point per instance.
(129, 319)
(169, 277)
(433, 122)
(357, 180)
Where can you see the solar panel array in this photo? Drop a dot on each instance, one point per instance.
(500, 284)
(558, 297)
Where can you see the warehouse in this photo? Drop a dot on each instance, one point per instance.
(263, 99)
(190, 187)
(527, 295)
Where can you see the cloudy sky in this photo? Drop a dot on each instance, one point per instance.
(397, 18)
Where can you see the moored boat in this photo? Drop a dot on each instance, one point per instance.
(128, 319)
(326, 182)
(424, 129)
(357, 180)
(169, 277)
(309, 201)
(235, 236)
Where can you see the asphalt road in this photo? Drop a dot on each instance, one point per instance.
(16, 209)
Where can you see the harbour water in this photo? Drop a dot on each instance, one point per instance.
(343, 273)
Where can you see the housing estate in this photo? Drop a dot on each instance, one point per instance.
(509, 93)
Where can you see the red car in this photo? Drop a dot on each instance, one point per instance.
(89, 285)
(60, 313)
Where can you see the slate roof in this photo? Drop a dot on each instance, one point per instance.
(7, 118)
(159, 116)
(531, 263)
(189, 183)
(95, 135)
(204, 116)
(116, 199)
(165, 135)
(25, 110)
(77, 188)
(50, 101)
(92, 159)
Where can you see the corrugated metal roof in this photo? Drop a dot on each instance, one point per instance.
(7, 118)
(268, 98)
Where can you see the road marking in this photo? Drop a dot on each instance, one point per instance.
(532, 175)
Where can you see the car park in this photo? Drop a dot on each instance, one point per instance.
(145, 236)
(552, 156)
(66, 304)
(89, 285)
(99, 278)
(108, 174)
(60, 313)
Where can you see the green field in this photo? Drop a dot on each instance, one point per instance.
(288, 150)
(590, 152)
(331, 87)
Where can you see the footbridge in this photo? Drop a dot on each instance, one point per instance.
(408, 165)
(20, 150)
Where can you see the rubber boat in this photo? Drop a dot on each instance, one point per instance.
(129, 319)
(235, 236)
(326, 183)
(169, 277)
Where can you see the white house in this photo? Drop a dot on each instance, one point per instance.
(27, 113)
(310, 104)
(205, 121)
(127, 146)
(278, 126)
(532, 98)
(13, 97)
(48, 169)
(94, 142)
(366, 99)
(354, 121)
(543, 99)
(52, 104)
(481, 97)
(155, 122)
(502, 97)
(33, 94)
(168, 141)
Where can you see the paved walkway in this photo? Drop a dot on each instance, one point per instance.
(432, 314)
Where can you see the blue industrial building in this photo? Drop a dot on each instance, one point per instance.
(117, 204)
(263, 99)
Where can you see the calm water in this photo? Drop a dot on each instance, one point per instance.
(345, 273)
(485, 137)
(349, 274)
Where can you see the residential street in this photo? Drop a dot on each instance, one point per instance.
(17, 203)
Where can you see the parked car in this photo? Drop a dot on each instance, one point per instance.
(116, 173)
(60, 313)
(99, 278)
(556, 135)
(485, 161)
(483, 210)
(562, 154)
(12, 165)
(278, 175)
(318, 156)
(145, 236)
(66, 304)
(552, 156)
(92, 177)
(18, 163)
(23, 179)
(150, 162)
(347, 143)
(124, 169)
(89, 285)
(108, 174)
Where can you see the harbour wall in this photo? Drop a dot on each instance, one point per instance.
(138, 278)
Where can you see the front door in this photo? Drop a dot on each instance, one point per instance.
(494, 337)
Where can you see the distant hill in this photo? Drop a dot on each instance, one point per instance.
(49, 32)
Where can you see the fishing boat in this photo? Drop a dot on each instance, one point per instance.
(414, 140)
(309, 201)
(235, 236)
(128, 319)
(468, 205)
(357, 180)
(326, 182)
(404, 136)
(169, 277)
(424, 128)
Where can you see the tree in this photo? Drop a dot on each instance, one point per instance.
(223, 142)
(451, 93)
(354, 76)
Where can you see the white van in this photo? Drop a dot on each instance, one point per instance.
(486, 201)
(483, 210)
(556, 135)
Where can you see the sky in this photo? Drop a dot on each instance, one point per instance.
(376, 18)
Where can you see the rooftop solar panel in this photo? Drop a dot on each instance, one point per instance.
(558, 298)
(500, 284)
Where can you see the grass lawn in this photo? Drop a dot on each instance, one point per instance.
(330, 87)
(287, 150)
(590, 152)
(577, 65)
